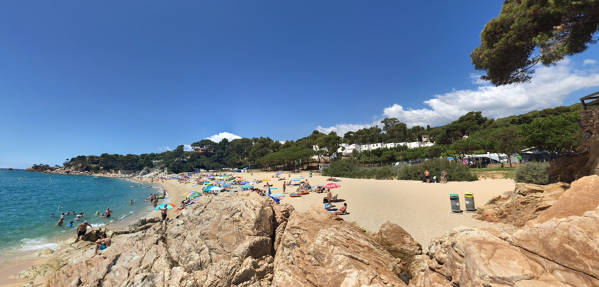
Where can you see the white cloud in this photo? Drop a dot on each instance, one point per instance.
(187, 147)
(224, 135)
(589, 62)
(341, 129)
(549, 87)
(165, 148)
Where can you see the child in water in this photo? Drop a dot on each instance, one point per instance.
(70, 225)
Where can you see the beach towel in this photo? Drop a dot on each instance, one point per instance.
(276, 200)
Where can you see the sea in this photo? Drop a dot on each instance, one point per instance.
(31, 204)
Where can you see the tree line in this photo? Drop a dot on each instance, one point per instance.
(555, 130)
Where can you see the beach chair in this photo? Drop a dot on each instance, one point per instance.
(454, 199)
(469, 201)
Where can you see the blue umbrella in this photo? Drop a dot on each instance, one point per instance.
(213, 188)
(246, 186)
(226, 185)
(168, 206)
(245, 182)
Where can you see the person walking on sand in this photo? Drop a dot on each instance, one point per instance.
(163, 211)
(60, 220)
(81, 229)
(443, 176)
(284, 187)
(427, 175)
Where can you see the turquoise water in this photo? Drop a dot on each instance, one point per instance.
(30, 205)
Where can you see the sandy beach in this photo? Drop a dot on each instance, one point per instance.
(421, 209)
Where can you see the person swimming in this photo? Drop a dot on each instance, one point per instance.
(61, 220)
(70, 225)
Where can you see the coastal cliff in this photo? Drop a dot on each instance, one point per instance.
(246, 240)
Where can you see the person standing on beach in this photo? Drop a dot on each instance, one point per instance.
(284, 187)
(427, 175)
(81, 229)
(443, 176)
(59, 223)
(163, 211)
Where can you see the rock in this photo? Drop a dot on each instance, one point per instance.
(203, 247)
(473, 257)
(282, 213)
(525, 203)
(400, 244)
(569, 241)
(582, 196)
(94, 234)
(317, 250)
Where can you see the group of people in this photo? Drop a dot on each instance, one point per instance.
(428, 179)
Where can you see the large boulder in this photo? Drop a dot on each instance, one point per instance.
(218, 241)
(522, 204)
(568, 232)
(400, 244)
(582, 196)
(317, 250)
(474, 257)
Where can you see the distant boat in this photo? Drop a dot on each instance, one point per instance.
(10, 168)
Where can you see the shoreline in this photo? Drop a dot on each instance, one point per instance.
(13, 263)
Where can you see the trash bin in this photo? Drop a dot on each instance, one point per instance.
(469, 201)
(455, 203)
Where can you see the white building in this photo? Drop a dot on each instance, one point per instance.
(348, 149)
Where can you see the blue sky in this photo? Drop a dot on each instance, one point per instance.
(87, 77)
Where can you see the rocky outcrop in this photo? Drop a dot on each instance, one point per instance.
(317, 250)
(202, 247)
(400, 244)
(473, 257)
(525, 203)
(246, 240)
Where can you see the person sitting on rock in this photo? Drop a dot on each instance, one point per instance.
(81, 229)
(102, 243)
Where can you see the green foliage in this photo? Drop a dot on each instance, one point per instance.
(556, 133)
(352, 169)
(533, 172)
(455, 170)
(555, 28)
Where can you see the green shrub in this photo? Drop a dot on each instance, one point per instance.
(351, 168)
(533, 172)
(455, 171)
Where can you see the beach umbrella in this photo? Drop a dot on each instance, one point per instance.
(246, 186)
(245, 182)
(193, 195)
(266, 179)
(168, 206)
(226, 185)
(213, 188)
(296, 179)
(274, 188)
(331, 185)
